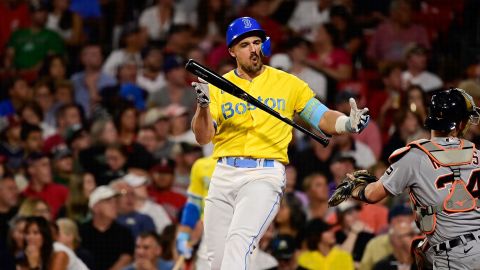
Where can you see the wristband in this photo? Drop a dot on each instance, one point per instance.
(342, 124)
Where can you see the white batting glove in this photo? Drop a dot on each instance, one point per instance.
(203, 96)
(358, 119)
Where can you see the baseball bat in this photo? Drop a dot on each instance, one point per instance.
(227, 86)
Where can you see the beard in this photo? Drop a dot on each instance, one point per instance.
(254, 64)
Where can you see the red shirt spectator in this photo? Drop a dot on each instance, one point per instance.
(15, 14)
(41, 184)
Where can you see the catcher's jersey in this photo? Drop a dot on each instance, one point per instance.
(200, 176)
(431, 184)
(243, 129)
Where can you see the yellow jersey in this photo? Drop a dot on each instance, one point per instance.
(200, 176)
(246, 131)
(336, 259)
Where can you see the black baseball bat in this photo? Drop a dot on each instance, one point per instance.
(227, 86)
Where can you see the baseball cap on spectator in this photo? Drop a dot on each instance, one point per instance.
(345, 95)
(74, 132)
(135, 180)
(415, 49)
(129, 28)
(99, 194)
(281, 61)
(134, 94)
(154, 115)
(399, 210)
(61, 152)
(38, 6)
(172, 62)
(283, 247)
(348, 205)
(33, 157)
(166, 166)
(344, 156)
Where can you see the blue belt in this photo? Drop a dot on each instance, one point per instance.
(241, 162)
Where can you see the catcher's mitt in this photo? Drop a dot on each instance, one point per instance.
(350, 183)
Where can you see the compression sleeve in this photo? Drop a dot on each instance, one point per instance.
(313, 112)
(191, 212)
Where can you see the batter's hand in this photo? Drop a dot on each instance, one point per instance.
(201, 88)
(183, 246)
(358, 118)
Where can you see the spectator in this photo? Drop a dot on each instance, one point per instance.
(298, 50)
(180, 131)
(132, 43)
(32, 114)
(148, 251)
(380, 246)
(62, 160)
(68, 240)
(42, 42)
(77, 139)
(67, 23)
(31, 137)
(363, 155)
(15, 242)
(8, 203)
(350, 37)
(126, 124)
(43, 93)
(151, 77)
(417, 73)
(262, 10)
(416, 100)
(307, 15)
(213, 16)
(159, 120)
(143, 203)
(283, 250)
(41, 183)
(127, 215)
(15, 14)
(401, 236)
(159, 19)
(322, 252)
(316, 188)
(64, 92)
(110, 243)
(185, 156)
(329, 58)
(54, 68)
(38, 245)
(161, 188)
(290, 218)
(353, 235)
(147, 138)
(76, 207)
(35, 207)
(87, 83)
(116, 159)
(342, 163)
(19, 93)
(291, 182)
(11, 144)
(179, 41)
(392, 37)
(177, 90)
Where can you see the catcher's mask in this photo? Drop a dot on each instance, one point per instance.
(450, 107)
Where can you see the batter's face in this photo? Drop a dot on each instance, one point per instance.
(248, 55)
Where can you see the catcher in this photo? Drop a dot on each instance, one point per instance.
(442, 176)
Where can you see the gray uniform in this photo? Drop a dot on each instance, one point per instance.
(430, 185)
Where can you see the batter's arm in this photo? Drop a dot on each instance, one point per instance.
(328, 121)
(202, 125)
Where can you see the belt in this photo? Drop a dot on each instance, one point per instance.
(243, 162)
(447, 245)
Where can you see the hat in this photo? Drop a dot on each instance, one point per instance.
(130, 28)
(61, 152)
(164, 166)
(135, 180)
(283, 247)
(153, 115)
(101, 193)
(175, 110)
(172, 62)
(38, 6)
(345, 95)
(33, 157)
(344, 156)
(399, 210)
(348, 205)
(74, 132)
(415, 49)
(281, 61)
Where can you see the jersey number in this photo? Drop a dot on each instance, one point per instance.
(472, 185)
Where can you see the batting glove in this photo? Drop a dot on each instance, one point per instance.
(201, 88)
(183, 246)
(358, 119)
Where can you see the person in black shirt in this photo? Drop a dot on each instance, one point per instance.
(110, 243)
(8, 209)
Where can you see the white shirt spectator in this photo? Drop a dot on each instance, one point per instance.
(363, 155)
(157, 213)
(53, 23)
(316, 81)
(427, 80)
(117, 58)
(150, 19)
(74, 263)
(306, 17)
(149, 85)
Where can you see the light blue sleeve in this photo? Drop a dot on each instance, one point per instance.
(313, 112)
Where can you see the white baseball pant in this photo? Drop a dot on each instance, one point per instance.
(242, 201)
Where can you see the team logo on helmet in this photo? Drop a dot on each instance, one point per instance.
(246, 23)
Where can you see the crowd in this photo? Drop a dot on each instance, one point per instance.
(96, 148)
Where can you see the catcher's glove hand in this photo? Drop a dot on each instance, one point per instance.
(349, 187)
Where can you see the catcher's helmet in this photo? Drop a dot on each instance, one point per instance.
(449, 107)
(244, 26)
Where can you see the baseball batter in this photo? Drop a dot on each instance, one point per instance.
(251, 145)
(442, 177)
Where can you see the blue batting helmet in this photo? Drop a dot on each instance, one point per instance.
(245, 25)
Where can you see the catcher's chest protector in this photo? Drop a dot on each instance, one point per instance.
(459, 198)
